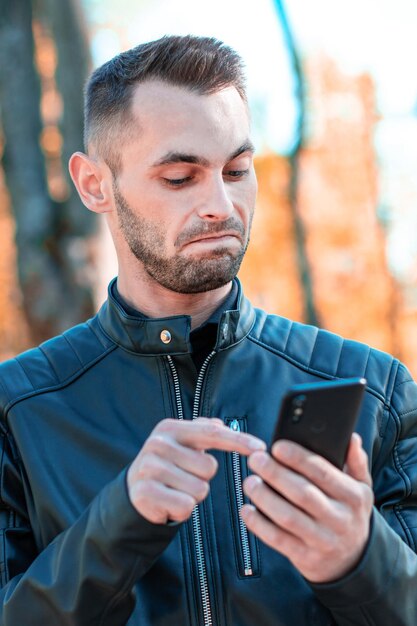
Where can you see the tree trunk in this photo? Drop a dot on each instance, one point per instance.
(67, 25)
(310, 313)
(52, 299)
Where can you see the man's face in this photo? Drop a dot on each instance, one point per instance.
(186, 192)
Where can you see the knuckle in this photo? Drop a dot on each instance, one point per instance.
(211, 465)
(180, 510)
(212, 429)
(276, 536)
(308, 493)
(202, 491)
(357, 499)
(338, 517)
(186, 506)
(242, 438)
(301, 555)
(152, 467)
(322, 471)
(286, 518)
(326, 546)
(142, 493)
(150, 460)
(157, 443)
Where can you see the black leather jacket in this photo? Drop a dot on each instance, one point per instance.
(75, 412)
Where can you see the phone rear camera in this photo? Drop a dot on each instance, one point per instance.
(297, 408)
(297, 413)
(299, 401)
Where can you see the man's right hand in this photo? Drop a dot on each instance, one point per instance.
(171, 473)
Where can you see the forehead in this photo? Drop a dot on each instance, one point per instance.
(170, 118)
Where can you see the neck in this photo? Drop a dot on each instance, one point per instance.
(154, 300)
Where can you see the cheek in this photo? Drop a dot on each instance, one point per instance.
(253, 183)
(246, 198)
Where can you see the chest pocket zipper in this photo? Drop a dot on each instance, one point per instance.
(246, 544)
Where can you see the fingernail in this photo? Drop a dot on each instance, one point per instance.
(247, 511)
(256, 444)
(251, 483)
(259, 460)
(283, 449)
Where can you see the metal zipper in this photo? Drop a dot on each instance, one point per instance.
(237, 478)
(199, 384)
(195, 517)
(176, 388)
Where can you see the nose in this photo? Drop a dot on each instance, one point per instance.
(216, 203)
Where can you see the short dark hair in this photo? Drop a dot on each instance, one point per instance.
(202, 64)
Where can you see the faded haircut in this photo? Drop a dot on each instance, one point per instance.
(201, 64)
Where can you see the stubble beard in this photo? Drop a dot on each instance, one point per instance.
(179, 273)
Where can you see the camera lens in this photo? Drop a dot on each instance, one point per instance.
(297, 408)
(299, 401)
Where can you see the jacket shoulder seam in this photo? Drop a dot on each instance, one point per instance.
(307, 368)
(73, 349)
(61, 384)
(91, 326)
(48, 360)
(312, 349)
(22, 367)
(287, 338)
(404, 382)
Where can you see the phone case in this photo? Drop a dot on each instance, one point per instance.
(322, 416)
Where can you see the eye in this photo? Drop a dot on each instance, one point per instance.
(237, 173)
(176, 182)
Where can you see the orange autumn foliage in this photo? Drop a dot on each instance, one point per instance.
(355, 294)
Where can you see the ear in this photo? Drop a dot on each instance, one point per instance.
(92, 180)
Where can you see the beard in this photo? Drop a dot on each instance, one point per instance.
(180, 273)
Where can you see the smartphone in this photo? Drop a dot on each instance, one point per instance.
(321, 416)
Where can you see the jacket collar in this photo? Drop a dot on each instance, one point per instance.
(144, 335)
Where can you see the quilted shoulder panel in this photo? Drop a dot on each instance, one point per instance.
(54, 363)
(325, 353)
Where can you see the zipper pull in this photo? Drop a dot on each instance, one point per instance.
(234, 425)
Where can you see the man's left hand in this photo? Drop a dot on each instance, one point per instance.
(306, 508)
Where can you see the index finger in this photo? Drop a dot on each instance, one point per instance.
(331, 480)
(205, 433)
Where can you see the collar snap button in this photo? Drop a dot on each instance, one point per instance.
(165, 336)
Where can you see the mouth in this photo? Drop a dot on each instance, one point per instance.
(215, 238)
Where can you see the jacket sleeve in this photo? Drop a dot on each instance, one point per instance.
(382, 588)
(86, 574)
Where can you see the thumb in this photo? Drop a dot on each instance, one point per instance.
(357, 461)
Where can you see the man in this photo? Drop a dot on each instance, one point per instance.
(121, 504)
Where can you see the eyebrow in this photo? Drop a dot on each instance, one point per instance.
(181, 157)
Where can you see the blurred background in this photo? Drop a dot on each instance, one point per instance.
(333, 93)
